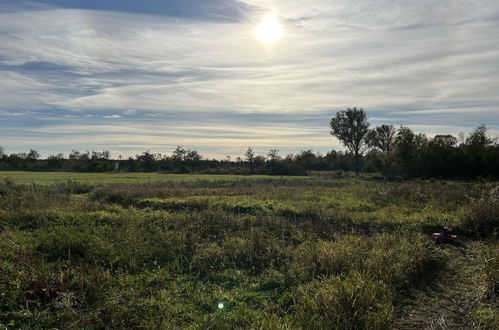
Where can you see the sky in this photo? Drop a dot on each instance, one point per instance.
(128, 76)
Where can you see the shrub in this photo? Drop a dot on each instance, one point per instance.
(482, 218)
(66, 243)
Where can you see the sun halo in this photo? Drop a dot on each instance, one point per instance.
(269, 30)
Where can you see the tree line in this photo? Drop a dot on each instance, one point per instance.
(384, 149)
(180, 161)
(402, 152)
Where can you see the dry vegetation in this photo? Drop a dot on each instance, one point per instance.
(315, 253)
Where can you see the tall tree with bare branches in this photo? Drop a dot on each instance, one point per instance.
(350, 126)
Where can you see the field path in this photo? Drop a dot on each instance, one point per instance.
(449, 302)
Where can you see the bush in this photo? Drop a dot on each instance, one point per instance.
(66, 243)
(482, 218)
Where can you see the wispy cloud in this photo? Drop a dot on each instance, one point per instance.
(186, 66)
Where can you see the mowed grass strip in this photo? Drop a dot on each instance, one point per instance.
(24, 177)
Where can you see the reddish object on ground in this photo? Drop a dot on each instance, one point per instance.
(445, 235)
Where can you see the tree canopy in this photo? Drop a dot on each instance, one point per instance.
(350, 126)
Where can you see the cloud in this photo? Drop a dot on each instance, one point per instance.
(417, 63)
(218, 10)
(215, 135)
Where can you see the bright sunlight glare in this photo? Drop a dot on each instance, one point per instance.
(269, 30)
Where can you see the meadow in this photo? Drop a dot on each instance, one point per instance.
(25, 177)
(156, 251)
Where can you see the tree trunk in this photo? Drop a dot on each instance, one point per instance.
(357, 163)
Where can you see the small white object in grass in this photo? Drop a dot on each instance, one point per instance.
(221, 305)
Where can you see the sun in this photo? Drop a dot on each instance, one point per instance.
(269, 30)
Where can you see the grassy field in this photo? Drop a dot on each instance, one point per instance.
(21, 177)
(228, 252)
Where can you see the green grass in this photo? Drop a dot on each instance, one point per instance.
(22, 177)
(277, 253)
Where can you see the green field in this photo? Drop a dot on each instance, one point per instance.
(226, 252)
(21, 177)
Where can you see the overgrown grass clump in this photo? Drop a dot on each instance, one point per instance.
(492, 271)
(482, 216)
(219, 254)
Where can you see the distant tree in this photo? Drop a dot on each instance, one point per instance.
(408, 146)
(306, 159)
(179, 154)
(273, 158)
(405, 143)
(462, 138)
(350, 126)
(58, 156)
(146, 161)
(192, 158)
(100, 155)
(258, 163)
(479, 154)
(249, 155)
(444, 141)
(382, 138)
(20, 155)
(74, 155)
(273, 155)
(439, 156)
(2, 152)
(81, 156)
(33, 154)
(55, 161)
(478, 139)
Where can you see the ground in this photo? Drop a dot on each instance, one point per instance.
(453, 298)
(143, 251)
(105, 178)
